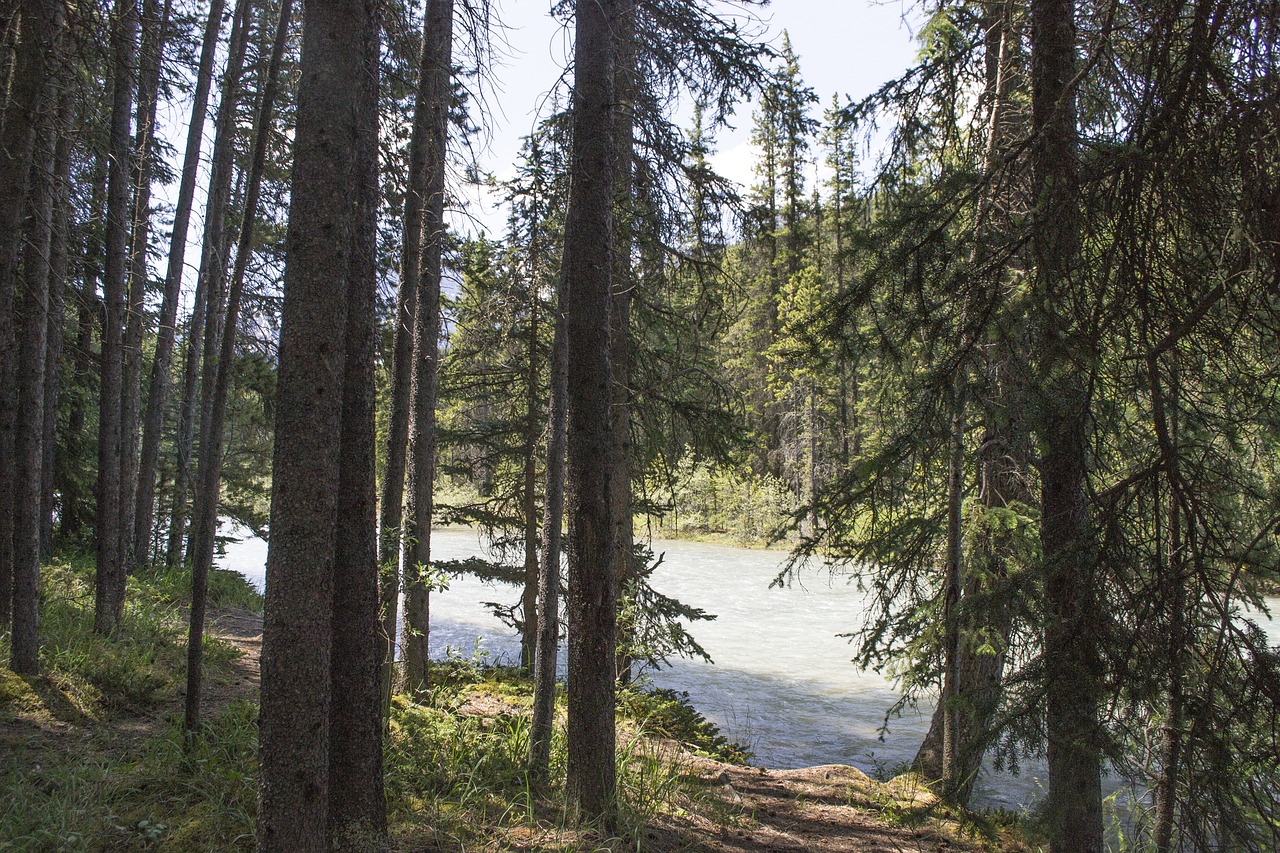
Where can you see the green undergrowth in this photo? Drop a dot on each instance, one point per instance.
(91, 749)
(457, 779)
(670, 714)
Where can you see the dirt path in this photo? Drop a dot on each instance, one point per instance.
(243, 630)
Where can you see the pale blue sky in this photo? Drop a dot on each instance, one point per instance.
(849, 47)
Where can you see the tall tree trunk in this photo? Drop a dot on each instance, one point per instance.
(1173, 583)
(218, 378)
(32, 61)
(155, 23)
(158, 384)
(34, 323)
(415, 201)
(1074, 806)
(950, 699)
(327, 232)
(972, 691)
(213, 271)
(529, 498)
(625, 89)
(544, 678)
(433, 99)
(109, 601)
(357, 804)
(70, 474)
(58, 264)
(391, 506)
(588, 243)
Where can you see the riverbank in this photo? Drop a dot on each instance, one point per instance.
(93, 756)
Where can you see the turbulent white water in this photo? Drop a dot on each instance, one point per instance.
(781, 683)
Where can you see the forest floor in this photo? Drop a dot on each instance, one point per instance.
(735, 808)
(70, 755)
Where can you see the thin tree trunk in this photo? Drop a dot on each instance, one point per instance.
(434, 96)
(950, 699)
(212, 276)
(588, 243)
(218, 378)
(972, 686)
(392, 517)
(391, 506)
(529, 507)
(155, 22)
(70, 474)
(58, 264)
(34, 323)
(33, 55)
(1168, 432)
(326, 230)
(109, 601)
(158, 385)
(544, 679)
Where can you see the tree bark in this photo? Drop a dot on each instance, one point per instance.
(434, 93)
(529, 502)
(544, 679)
(109, 599)
(34, 323)
(1074, 807)
(327, 230)
(588, 244)
(357, 804)
(33, 51)
(416, 199)
(58, 264)
(212, 276)
(70, 474)
(218, 378)
(622, 284)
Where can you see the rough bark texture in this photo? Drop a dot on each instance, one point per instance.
(622, 285)
(544, 678)
(17, 139)
(209, 478)
(357, 805)
(212, 276)
(33, 323)
(433, 96)
(588, 242)
(294, 723)
(58, 263)
(158, 384)
(109, 601)
(1074, 807)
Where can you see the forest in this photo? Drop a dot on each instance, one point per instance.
(996, 343)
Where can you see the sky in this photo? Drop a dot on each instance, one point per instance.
(845, 47)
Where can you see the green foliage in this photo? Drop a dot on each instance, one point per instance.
(702, 499)
(669, 714)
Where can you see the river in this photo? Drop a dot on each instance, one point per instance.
(782, 682)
